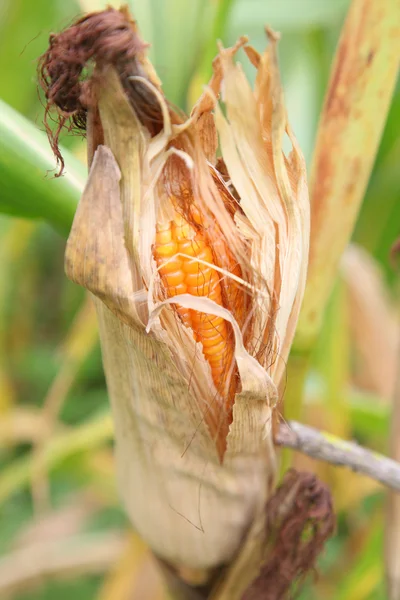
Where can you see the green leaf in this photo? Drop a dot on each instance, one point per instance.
(28, 186)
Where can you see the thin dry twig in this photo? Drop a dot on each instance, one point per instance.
(329, 448)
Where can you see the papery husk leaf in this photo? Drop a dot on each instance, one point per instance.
(165, 456)
(291, 178)
(252, 410)
(152, 155)
(272, 188)
(110, 279)
(123, 133)
(208, 136)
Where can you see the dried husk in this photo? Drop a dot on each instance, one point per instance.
(192, 505)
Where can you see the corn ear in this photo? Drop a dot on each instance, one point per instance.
(192, 503)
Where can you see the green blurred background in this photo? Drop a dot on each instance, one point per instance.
(62, 531)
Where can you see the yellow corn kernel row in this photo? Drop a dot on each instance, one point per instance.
(181, 275)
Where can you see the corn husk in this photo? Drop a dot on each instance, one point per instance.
(192, 505)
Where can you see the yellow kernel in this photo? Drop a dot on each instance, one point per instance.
(167, 249)
(163, 236)
(191, 247)
(174, 279)
(169, 265)
(175, 290)
(216, 349)
(195, 279)
(208, 342)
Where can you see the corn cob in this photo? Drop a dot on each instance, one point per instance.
(182, 275)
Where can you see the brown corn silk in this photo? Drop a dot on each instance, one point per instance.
(194, 447)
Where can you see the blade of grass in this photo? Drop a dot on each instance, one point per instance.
(28, 188)
(333, 358)
(370, 416)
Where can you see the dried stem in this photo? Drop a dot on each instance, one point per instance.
(329, 448)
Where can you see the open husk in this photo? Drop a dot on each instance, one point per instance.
(191, 491)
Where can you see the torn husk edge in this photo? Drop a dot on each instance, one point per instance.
(191, 508)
